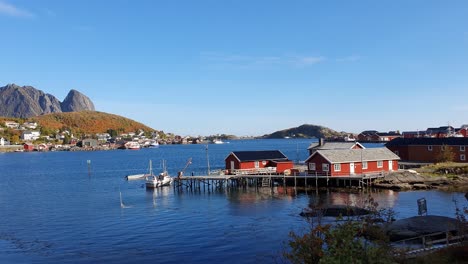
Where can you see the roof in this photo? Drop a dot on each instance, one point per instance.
(442, 129)
(456, 141)
(355, 155)
(334, 145)
(383, 134)
(259, 155)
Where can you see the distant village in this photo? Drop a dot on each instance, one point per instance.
(28, 137)
(445, 143)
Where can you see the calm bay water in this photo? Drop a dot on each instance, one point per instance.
(53, 210)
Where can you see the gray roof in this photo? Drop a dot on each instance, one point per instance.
(334, 145)
(356, 155)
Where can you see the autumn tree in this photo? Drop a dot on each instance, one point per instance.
(445, 154)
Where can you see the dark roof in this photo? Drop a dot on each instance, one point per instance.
(442, 129)
(369, 132)
(382, 134)
(456, 141)
(259, 155)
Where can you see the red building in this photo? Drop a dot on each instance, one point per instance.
(349, 162)
(375, 136)
(429, 149)
(28, 147)
(254, 162)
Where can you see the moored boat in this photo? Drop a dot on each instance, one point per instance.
(132, 145)
(155, 181)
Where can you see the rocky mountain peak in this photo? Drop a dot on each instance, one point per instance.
(27, 101)
(76, 101)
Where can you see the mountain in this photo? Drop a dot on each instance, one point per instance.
(89, 122)
(27, 101)
(306, 131)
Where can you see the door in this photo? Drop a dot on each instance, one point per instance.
(351, 168)
(233, 167)
(390, 165)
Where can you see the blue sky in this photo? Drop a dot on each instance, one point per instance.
(247, 67)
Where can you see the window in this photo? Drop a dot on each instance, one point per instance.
(312, 166)
(379, 164)
(429, 148)
(462, 148)
(264, 162)
(462, 157)
(257, 164)
(443, 147)
(325, 167)
(337, 167)
(364, 165)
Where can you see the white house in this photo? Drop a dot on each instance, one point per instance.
(2, 142)
(30, 125)
(30, 135)
(11, 124)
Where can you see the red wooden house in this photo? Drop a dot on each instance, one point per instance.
(255, 162)
(349, 162)
(333, 145)
(28, 147)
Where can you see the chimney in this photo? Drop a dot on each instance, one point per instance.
(321, 141)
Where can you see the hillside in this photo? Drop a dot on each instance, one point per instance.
(89, 122)
(306, 131)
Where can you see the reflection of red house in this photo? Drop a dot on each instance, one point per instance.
(254, 162)
(28, 147)
(349, 162)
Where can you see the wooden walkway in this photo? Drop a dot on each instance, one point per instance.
(270, 180)
(416, 246)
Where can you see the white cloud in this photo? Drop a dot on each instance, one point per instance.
(252, 61)
(11, 10)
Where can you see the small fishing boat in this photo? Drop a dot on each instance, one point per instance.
(217, 141)
(154, 144)
(132, 145)
(155, 181)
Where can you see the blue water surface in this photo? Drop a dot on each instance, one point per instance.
(56, 209)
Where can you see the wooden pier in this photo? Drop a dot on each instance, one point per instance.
(204, 182)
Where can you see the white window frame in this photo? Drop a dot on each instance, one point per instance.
(380, 164)
(364, 165)
(337, 167)
(429, 148)
(312, 166)
(257, 164)
(325, 167)
(462, 157)
(462, 148)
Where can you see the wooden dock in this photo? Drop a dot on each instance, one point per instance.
(270, 180)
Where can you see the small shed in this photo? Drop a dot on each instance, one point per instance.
(349, 162)
(28, 147)
(89, 143)
(255, 162)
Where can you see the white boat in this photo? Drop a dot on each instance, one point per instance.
(217, 141)
(154, 144)
(132, 145)
(136, 177)
(155, 181)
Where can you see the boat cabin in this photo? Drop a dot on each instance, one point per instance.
(257, 162)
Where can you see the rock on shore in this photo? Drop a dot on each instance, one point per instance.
(421, 225)
(410, 180)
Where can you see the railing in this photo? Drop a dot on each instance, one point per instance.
(267, 170)
(430, 242)
(372, 175)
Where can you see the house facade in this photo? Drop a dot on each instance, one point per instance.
(255, 162)
(350, 162)
(30, 135)
(429, 150)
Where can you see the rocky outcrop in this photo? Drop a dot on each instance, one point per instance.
(421, 225)
(76, 101)
(335, 211)
(406, 180)
(27, 101)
